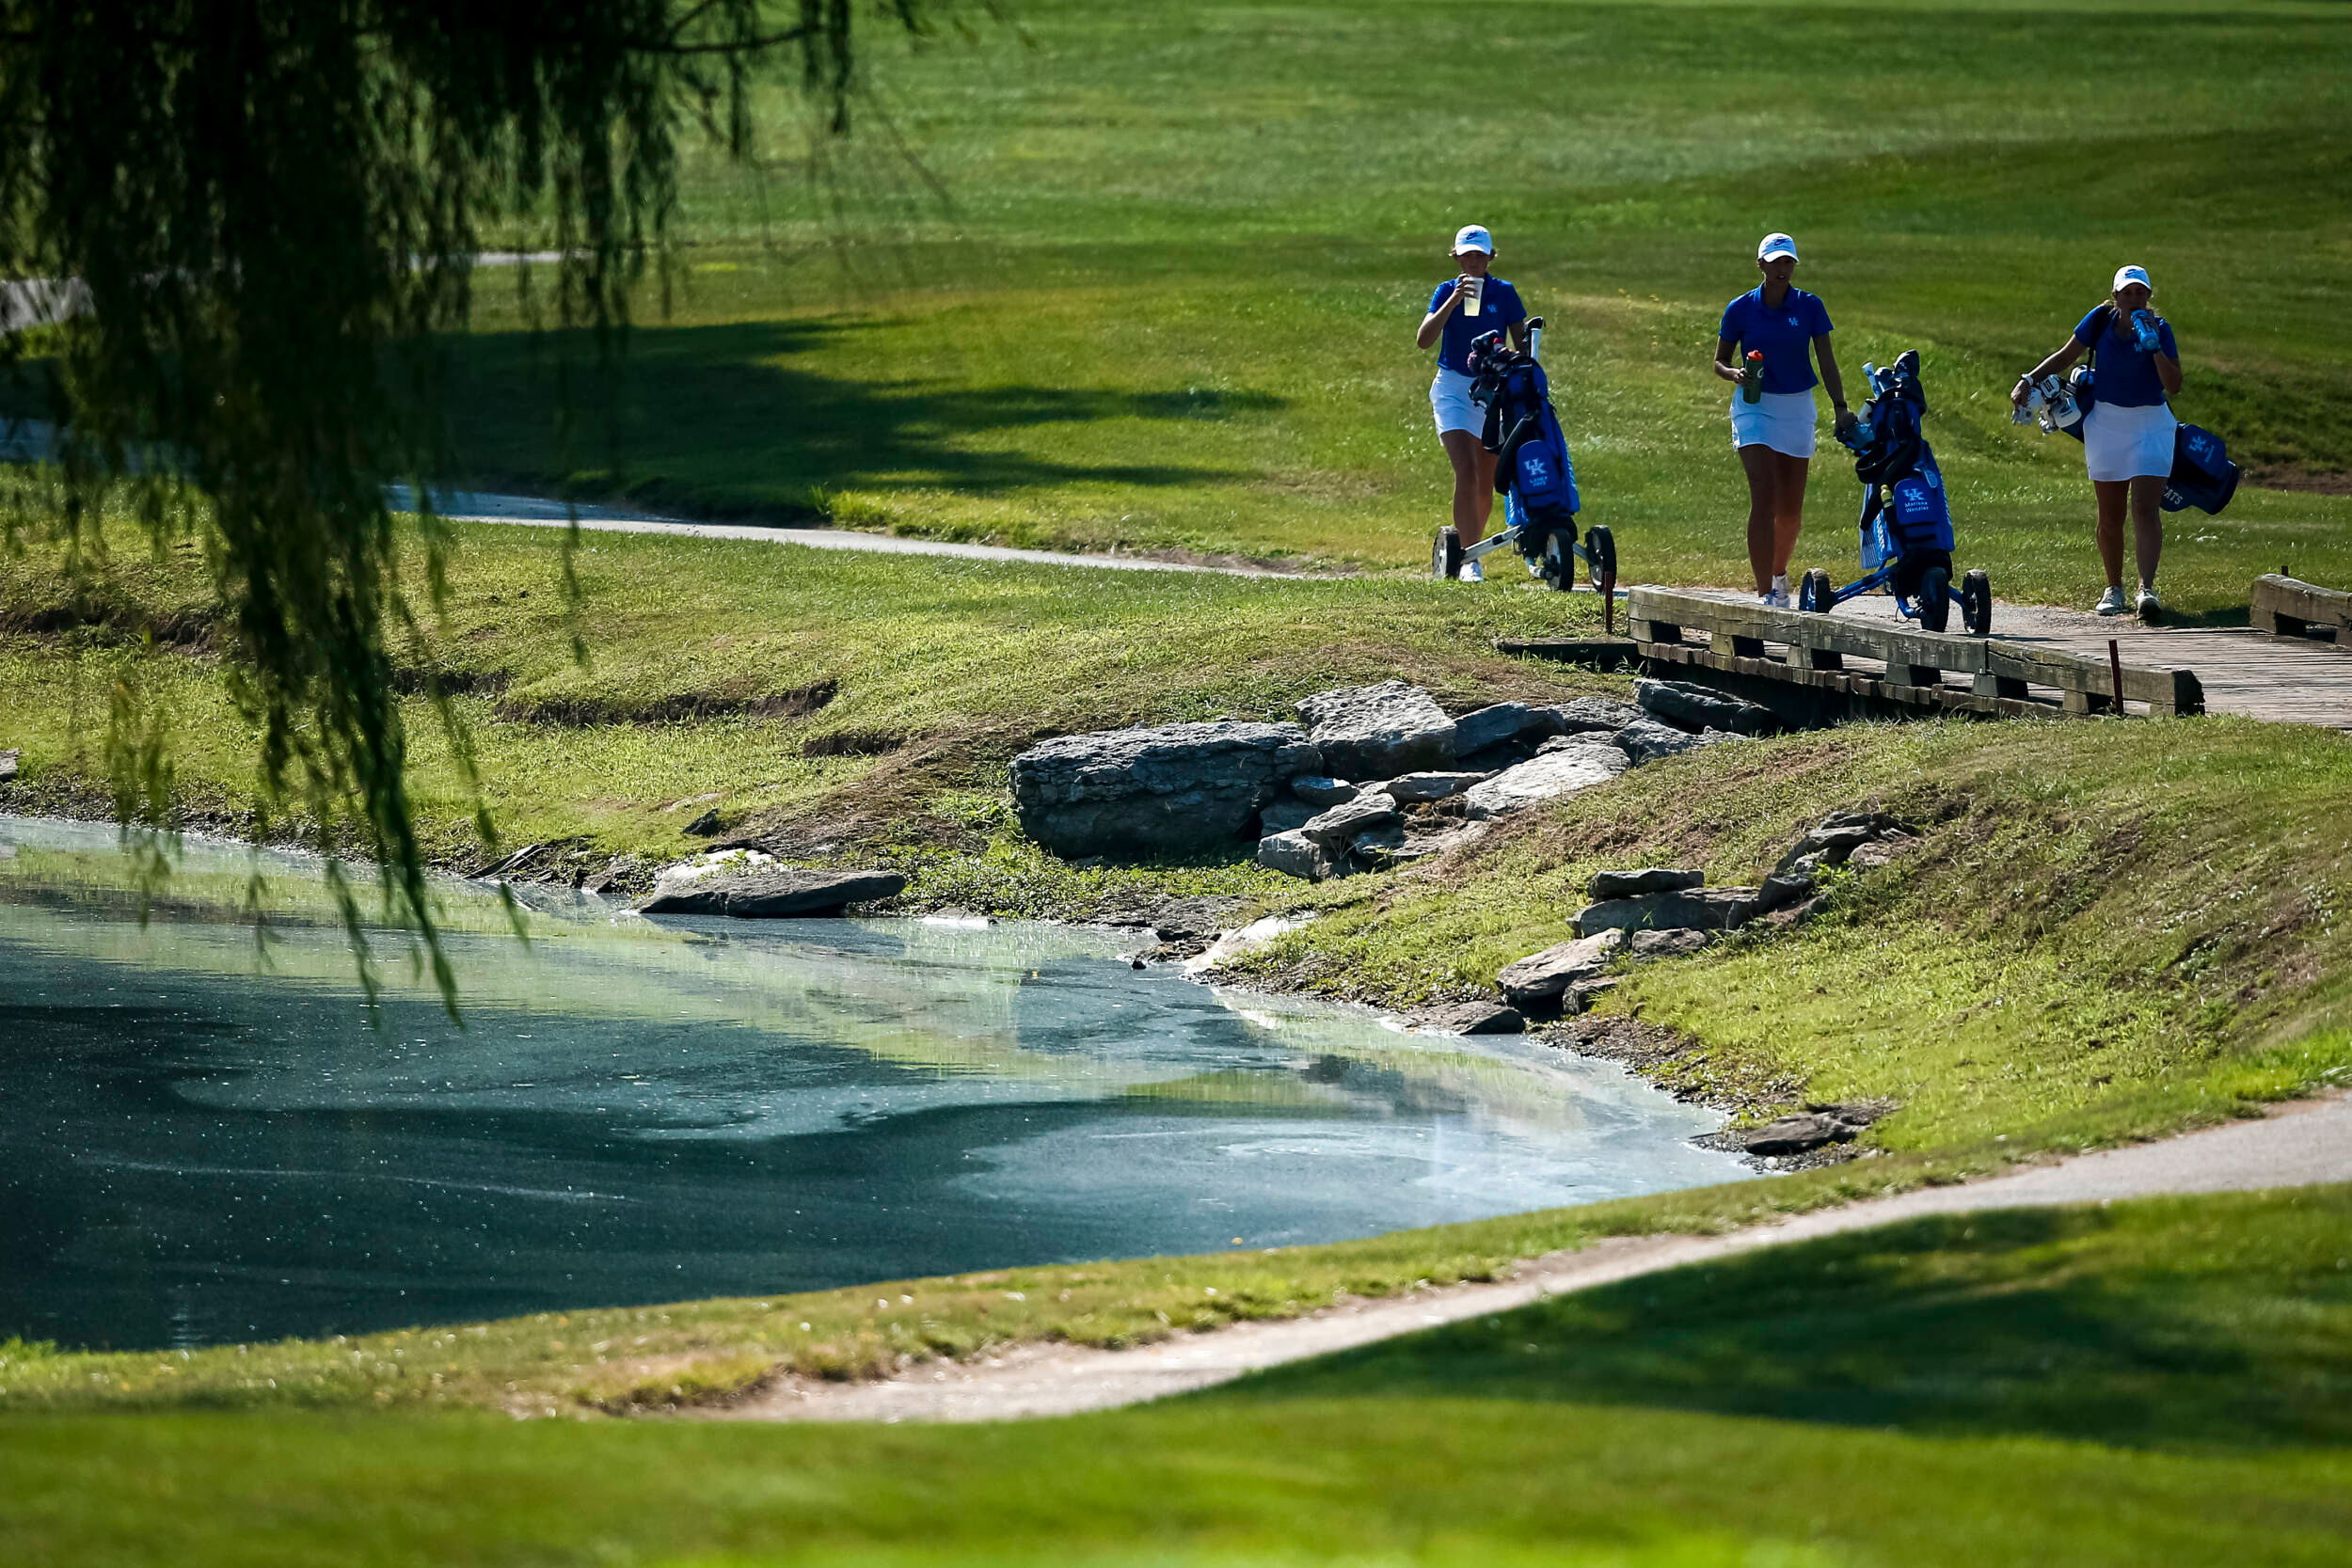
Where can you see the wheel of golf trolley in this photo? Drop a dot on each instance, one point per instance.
(1814, 592)
(1935, 599)
(1559, 562)
(1976, 603)
(1600, 554)
(1445, 558)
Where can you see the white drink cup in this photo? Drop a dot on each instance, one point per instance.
(1472, 292)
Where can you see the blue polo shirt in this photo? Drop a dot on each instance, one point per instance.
(2126, 377)
(1499, 308)
(1785, 335)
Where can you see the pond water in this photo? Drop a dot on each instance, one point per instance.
(206, 1139)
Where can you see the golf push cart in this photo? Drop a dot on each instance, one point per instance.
(1531, 472)
(1906, 519)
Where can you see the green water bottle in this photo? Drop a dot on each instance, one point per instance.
(1752, 377)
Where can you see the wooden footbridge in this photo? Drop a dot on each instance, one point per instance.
(2293, 664)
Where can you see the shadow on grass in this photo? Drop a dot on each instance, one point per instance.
(2194, 1323)
(721, 414)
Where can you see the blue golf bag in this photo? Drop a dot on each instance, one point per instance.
(1533, 473)
(1533, 470)
(2202, 475)
(1906, 525)
(1906, 521)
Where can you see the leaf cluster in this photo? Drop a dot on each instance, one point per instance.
(244, 227)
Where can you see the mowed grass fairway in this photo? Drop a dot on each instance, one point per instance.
(1170, 303)
(2163, 1380)
(1166, 302)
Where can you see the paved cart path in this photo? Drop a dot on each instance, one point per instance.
(2300, 1144)
(482, 506)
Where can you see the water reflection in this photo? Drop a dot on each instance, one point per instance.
(198, 1143)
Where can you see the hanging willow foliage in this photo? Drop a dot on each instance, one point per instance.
(266, 211)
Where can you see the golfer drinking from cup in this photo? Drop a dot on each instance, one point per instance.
(1769, 336)
(1462, 309)
(2127, 433)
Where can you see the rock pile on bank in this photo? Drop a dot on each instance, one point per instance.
(1368, 777)
(1669, 912)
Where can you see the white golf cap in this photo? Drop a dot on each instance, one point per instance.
(1471, 237)
(2132, 275)
(1776, 244)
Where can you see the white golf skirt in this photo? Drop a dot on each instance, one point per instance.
(1780, 420)
(2129, 443)
(1449, 404)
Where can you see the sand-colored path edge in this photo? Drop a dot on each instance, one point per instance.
(2299, 1144)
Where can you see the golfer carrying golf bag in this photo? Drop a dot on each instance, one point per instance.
(1769, 340)
(1462, 307)
(2129, 430)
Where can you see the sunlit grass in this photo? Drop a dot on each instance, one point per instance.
(2161, 1381)
(1172, 304)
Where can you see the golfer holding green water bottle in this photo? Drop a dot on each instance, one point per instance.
(1769, 336)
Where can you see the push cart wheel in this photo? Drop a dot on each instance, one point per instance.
(1813, 593)
(1559, 564)
(1600, 554)
(1976, 603)
(1445, 558)
(1935, 599)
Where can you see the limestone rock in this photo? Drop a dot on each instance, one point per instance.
(1196, 919)
(1377, 732)
(8, 759)
(1697, 708)
(1172, 787)
(1320, 790)
(1543, 778)
(1588, 714)
(1710, 908)
(1501, 723)
(1297, 855)
(1651, 878)
(1472, 1017)
(773, 894)
(1646, 741)
(1822, 846)
(1580, 997)
(1798, 1135)
(1680, 943)
(1286, 815)
(1781, 890)
(1333, 828)
(1430, 786)
(1541, 979)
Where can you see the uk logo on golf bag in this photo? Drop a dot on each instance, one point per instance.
(1906, 524)
(1540, 483)
(1922, 516)
(2202, 475)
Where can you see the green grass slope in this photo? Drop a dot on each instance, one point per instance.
(2108, 930)
(2160, 1381)
(1171, 304)
(882, 692)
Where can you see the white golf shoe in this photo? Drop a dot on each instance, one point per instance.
(2111, 602)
